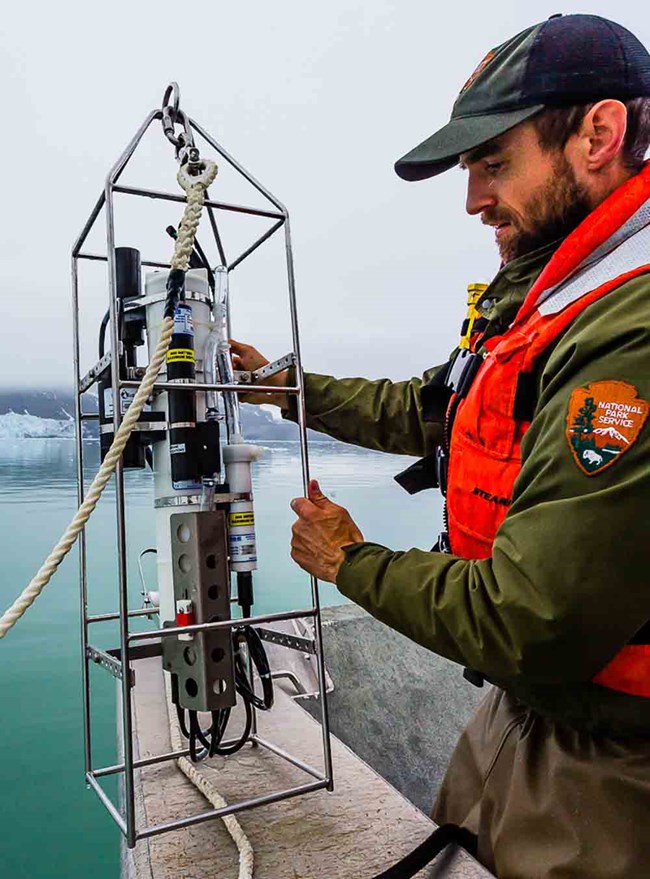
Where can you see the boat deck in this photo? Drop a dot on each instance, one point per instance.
(355, 832)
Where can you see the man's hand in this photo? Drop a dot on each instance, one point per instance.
(321, 530)
(248, 359)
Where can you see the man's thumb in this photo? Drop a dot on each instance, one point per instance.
(315, 495)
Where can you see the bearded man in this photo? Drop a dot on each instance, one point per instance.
(536, 432)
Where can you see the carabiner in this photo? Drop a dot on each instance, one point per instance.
(170, 111)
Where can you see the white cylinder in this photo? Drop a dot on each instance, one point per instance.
(242, 543)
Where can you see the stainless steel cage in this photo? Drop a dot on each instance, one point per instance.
(136, 644)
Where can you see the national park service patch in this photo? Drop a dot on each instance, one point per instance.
(603, 421)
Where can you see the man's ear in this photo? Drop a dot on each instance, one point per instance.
(602, 134)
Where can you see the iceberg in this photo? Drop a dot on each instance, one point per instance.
(26, 426)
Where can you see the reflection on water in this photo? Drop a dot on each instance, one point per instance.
(39, 675)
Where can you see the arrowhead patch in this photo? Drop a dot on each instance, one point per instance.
(604, 420)
(479, 70)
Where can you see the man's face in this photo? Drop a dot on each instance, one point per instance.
(529, 195)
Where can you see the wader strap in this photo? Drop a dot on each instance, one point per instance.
(428, 850)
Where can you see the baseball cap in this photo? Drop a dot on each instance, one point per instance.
(568, 59)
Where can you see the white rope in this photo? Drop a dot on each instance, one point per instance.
(195, 190)
(202, 783)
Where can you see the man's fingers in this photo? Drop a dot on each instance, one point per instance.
(301, 506)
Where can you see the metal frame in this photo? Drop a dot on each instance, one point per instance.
(119, 661)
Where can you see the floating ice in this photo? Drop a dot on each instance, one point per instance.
(26, 426)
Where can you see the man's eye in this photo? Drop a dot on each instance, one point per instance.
(493, 167)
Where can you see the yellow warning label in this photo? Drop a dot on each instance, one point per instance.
(240, 520)
(180, 355)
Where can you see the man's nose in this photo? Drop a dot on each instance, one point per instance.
(479, 194)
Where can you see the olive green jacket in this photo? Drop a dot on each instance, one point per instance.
(568, 582)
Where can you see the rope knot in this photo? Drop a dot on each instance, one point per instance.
(197, 182)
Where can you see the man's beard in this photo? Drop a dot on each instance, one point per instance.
(554, 211)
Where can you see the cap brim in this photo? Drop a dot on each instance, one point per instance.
(442, 150)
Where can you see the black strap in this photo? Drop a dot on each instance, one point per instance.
(435, 395)
(474, 677)
(423, 474)
(428, 850)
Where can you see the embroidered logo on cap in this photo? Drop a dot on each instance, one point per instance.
(481, 67)
(603, 421)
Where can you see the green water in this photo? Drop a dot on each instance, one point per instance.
(50, 824)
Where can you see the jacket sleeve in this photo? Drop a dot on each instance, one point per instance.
(381, 415)
(567, 584)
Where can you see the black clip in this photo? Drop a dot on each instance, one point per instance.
(463, 371)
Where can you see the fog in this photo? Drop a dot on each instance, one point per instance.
(317, 100)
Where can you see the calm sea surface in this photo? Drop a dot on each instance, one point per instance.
(50, 825)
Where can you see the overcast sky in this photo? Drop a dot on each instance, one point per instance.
(317, 100)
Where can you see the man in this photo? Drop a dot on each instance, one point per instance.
(537, 431)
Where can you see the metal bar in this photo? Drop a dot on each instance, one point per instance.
(293, 642)
(215, 231)
(142, 651)
(90, 222)
(151, 761)
(83, 582)
(110, 663)
(107, 617)
(229, 810)
(253, 247)
(94, 372)
(224, 624)
(139, 764)
(115, 815)
(290, 676)
(219, 205)
(274, 368)
(127, 736)
(235, 164)
(289, 758)
(199, 386)
(97, 257)
(89, 416)
(116, 171)
(127, 719)
(302, 423)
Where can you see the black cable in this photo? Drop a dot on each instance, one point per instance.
(180, 713)
(218, 728)
(258, 656)
(198, 259)
(102, 333)
(239, 744)
(192, 741)
(175, 291)
(211, 738)
(198, 732)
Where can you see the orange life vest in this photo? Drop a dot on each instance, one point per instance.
(486, 433)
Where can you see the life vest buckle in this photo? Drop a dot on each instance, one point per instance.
(442, 544)
(463, 371)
